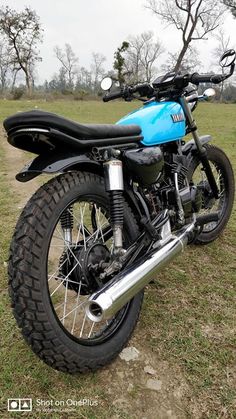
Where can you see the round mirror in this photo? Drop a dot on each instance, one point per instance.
(227, 58)
(106, 83)
(209, 94)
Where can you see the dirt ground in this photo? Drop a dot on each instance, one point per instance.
(15, 160)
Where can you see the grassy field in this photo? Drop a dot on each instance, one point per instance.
(188, 324)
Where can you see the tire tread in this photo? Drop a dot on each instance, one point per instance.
(24, 284)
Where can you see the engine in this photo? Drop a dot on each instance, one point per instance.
(163, 176)
(174, 191)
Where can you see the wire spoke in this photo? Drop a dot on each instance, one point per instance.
(71, 251)
(92, 327)
(65, 303)
(213, 205)
(82, 328)
(98, 222)
(75, 308)
(58, 269)
(75, 314)
(64, 279)
(65, 265)
(82, 226)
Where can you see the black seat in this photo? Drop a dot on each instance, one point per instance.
(47, 120)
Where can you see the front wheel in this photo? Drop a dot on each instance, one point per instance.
(61, 241)
(224, 176)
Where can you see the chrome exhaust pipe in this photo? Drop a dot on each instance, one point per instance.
(116, 293)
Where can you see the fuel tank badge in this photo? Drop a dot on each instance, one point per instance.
(177, 117)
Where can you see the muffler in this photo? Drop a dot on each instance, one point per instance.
(116, 293)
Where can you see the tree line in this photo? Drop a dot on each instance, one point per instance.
(135, 60)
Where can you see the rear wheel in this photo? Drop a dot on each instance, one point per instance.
(61, 243)
(224, 176)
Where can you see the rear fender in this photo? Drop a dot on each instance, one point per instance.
(58, 163)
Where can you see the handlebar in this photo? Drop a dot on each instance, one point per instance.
(144, 89)
(164, 89)
(112, 96)
(206, 78)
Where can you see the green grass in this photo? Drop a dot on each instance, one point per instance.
(188, 317)
(87, 112)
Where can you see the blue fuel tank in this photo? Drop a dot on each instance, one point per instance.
(160, 122)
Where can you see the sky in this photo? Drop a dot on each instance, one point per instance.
(101, 26)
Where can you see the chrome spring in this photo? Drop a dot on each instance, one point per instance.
(116, 208)
(67, 221)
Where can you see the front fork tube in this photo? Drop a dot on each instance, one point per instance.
(114, 183)
(201, 150)
(206, 165)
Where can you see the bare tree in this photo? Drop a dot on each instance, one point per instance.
(84, 79)
(15, 71)
(97, 69)
(231, 4)
(190, 62)
(6, 66)
(141, 56)
(194, 18)
(222, 46)
(23, 33)
(69, 63)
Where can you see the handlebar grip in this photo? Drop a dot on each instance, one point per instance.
(143, 89)
(218, 78)
(206, 78)
(112, 96)
(200, 78)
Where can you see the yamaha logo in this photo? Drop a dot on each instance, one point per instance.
(177, 117)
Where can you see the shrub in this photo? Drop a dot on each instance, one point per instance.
(18, 93)
(80, 95)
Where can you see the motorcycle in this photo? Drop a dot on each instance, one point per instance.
(127, 200)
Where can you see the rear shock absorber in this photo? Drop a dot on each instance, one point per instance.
(115, 186)
(67, 223)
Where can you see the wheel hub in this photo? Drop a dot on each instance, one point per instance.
(85, 266)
